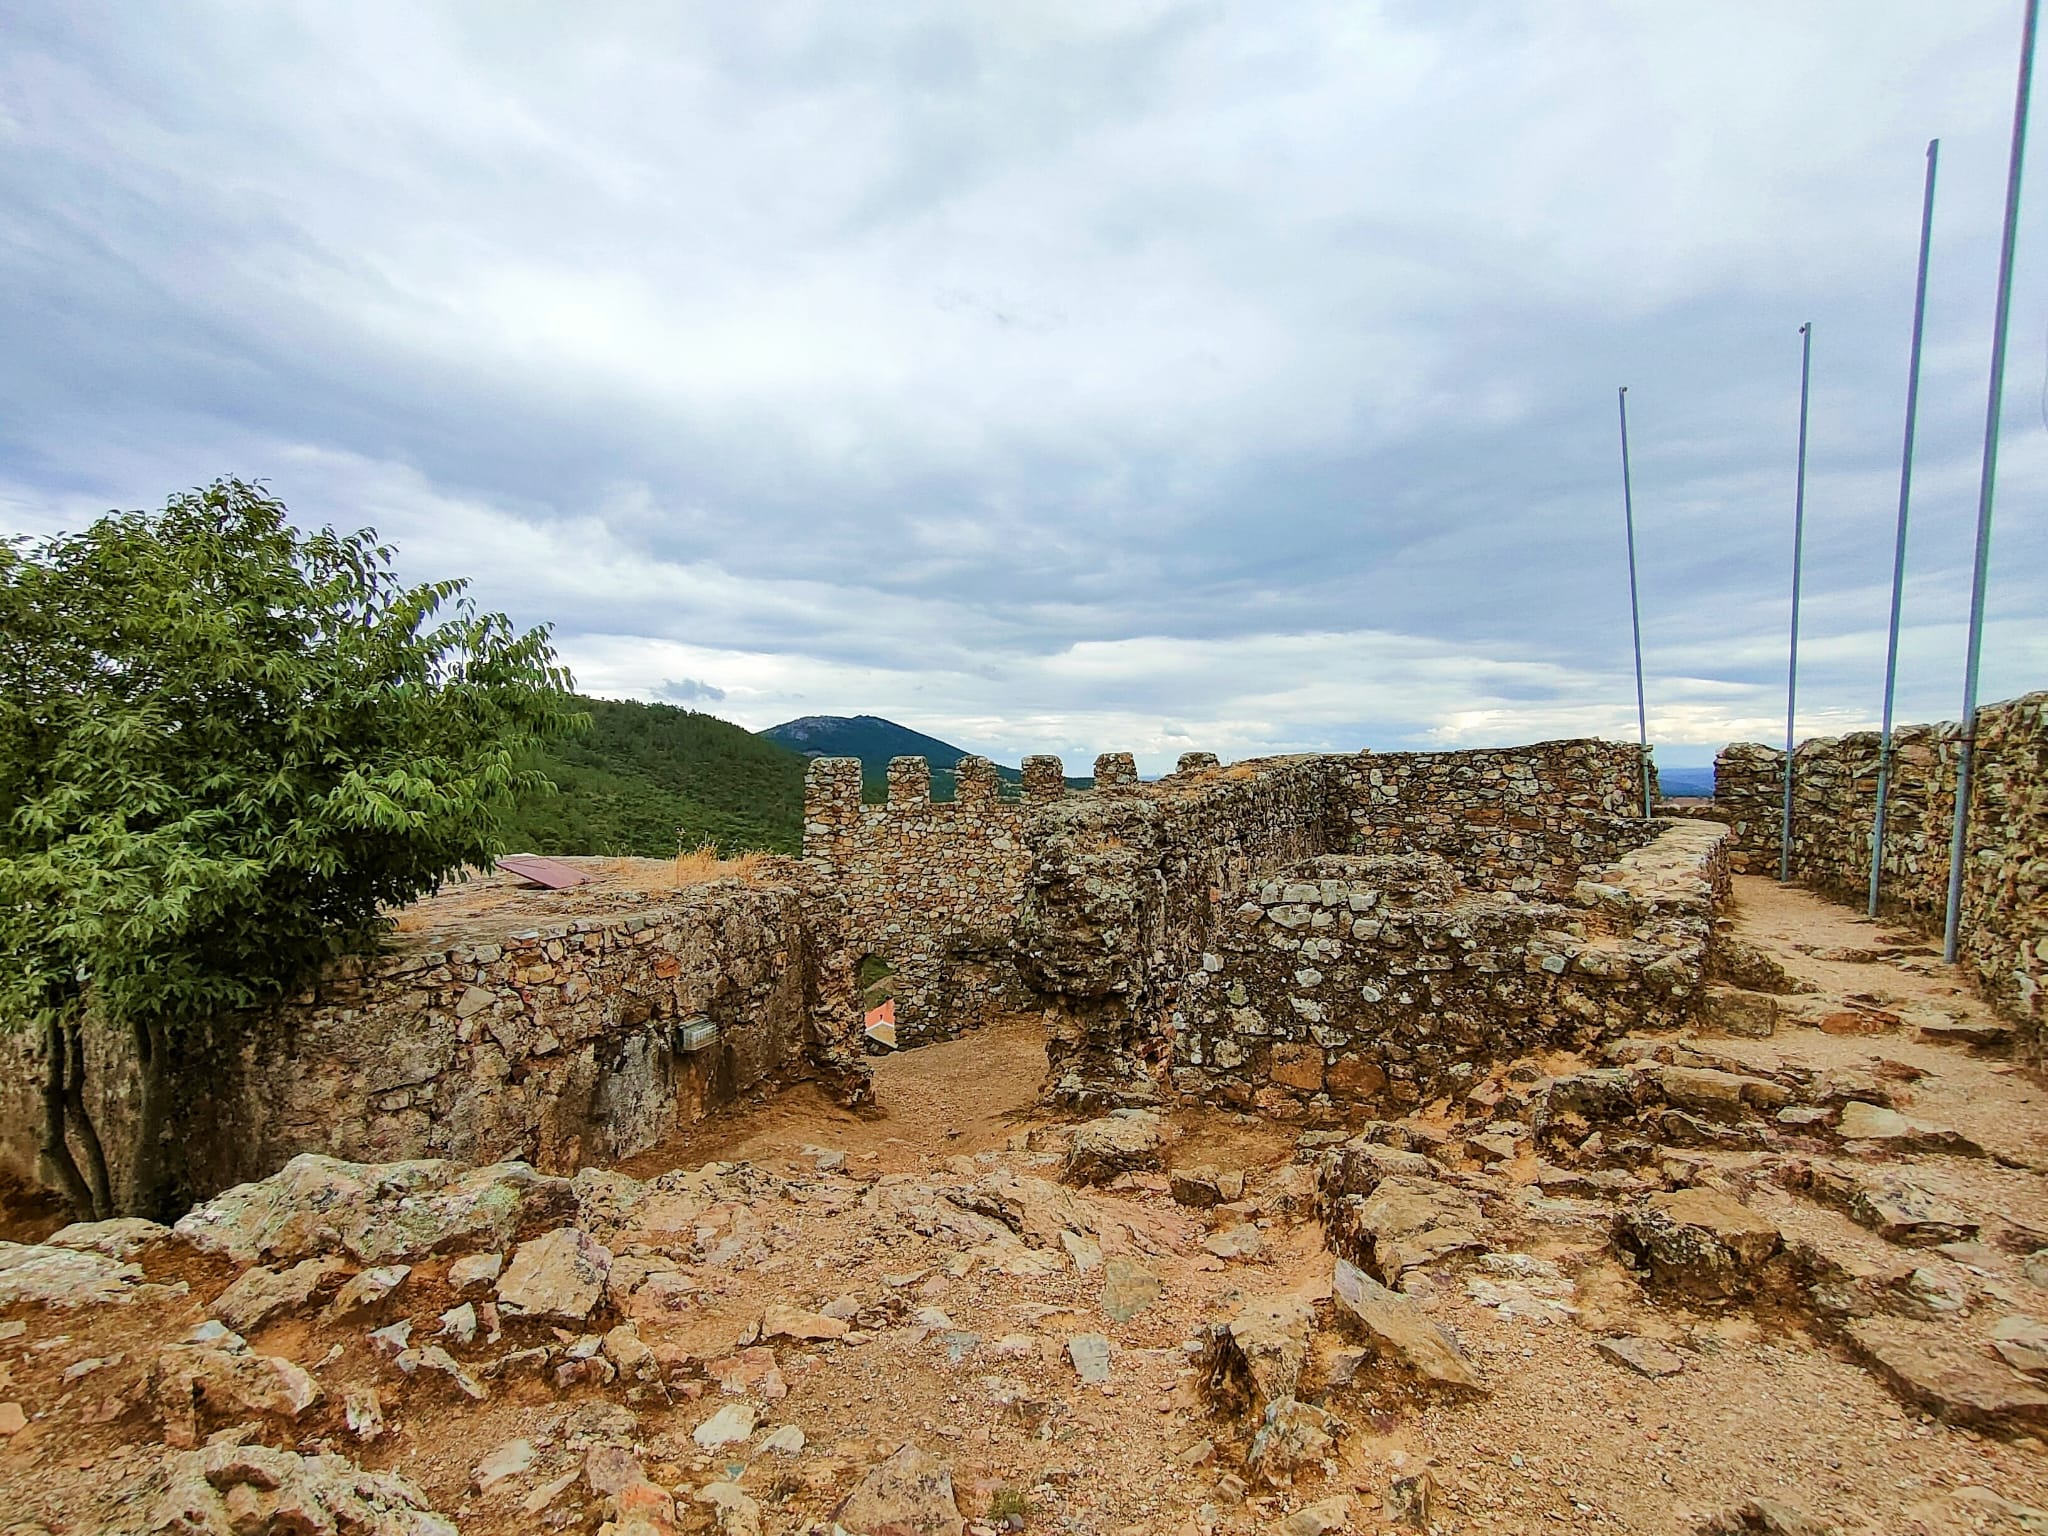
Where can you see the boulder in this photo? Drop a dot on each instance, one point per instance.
(1357, 1166)
(786, 1322)
(1256, 1358)
(377, 1213)
(1598, 1096)
(1646, 1357)
(1901, 1133)
(729, 1426)
(1699, 1241)
(1116, 1144)
(1397, 1323)
(433, 1358)
(1742, 963)
(1089, 1353)
(1326, 1517)
(910, 1494)
(227, 1490)
(734, 1511)
(63, 1277)
(1701, 1089)
(558, 1277)
(1291, 1435)
(1739, 1011)
(1196, 1187)
(1128, 1288)
(120, 1238)
(1911, 1216)
(1241, 1241)
(368, 1291)
(259, 1294)
(216, 1374)
(2022, 1343)
(1405, 1223)
(475, 1272)
(1872, 1122)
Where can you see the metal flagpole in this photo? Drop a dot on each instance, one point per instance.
(1798, 538)
(1635, 619)
(1952, 927)
(1891, 655)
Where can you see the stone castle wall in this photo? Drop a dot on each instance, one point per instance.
(1110, 904)
(1527, 819)
(1124, 890)
(1386, 978)
(1834, 797)
(561, 1044)
(933, 889)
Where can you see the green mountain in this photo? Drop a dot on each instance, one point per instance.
(646, 776)
(874, 741)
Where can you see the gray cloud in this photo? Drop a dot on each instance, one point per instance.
(1058, 376)
(688, 690)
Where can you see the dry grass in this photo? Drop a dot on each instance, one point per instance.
(697, 866)
(481, 894)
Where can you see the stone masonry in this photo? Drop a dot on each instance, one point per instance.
(1502, 898)
(1834, 797)
(933, 889)
(586, 1033)
(1384, 978)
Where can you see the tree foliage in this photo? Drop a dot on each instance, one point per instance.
(226, 746)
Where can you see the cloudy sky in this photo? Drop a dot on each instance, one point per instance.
(1148, 376)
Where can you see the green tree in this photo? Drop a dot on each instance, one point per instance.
(226, 747)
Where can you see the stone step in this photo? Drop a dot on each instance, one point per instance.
(1988, 1038)
(1949, 1373)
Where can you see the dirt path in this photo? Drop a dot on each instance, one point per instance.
(955, 1098)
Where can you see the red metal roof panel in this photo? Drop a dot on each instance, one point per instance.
(552, 873)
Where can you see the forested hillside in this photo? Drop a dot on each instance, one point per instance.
(874, 741)
(645, 776)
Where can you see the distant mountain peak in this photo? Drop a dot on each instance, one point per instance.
(870, 738)
(875, 741)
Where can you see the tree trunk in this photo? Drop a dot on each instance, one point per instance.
(56, 1148)
(82, 1127)
(149, 1179)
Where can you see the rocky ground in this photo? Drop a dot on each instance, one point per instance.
(1785, 1274)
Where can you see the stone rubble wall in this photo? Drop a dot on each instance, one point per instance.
(933, 889)
(1127, 891)
(1834, 797)
(1527, 819)
(1123, 891)
(1387, 979)
(560, 1045)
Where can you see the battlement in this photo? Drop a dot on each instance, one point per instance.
(937, 888)
(832, 788)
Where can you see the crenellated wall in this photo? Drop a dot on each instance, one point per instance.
(933, 889)
(1834, 797)
(1105, 907)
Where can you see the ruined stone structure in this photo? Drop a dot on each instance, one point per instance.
(1488, 900)
(585, 1030)
(1386, 979)
(1834, 796)
(931, 888)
